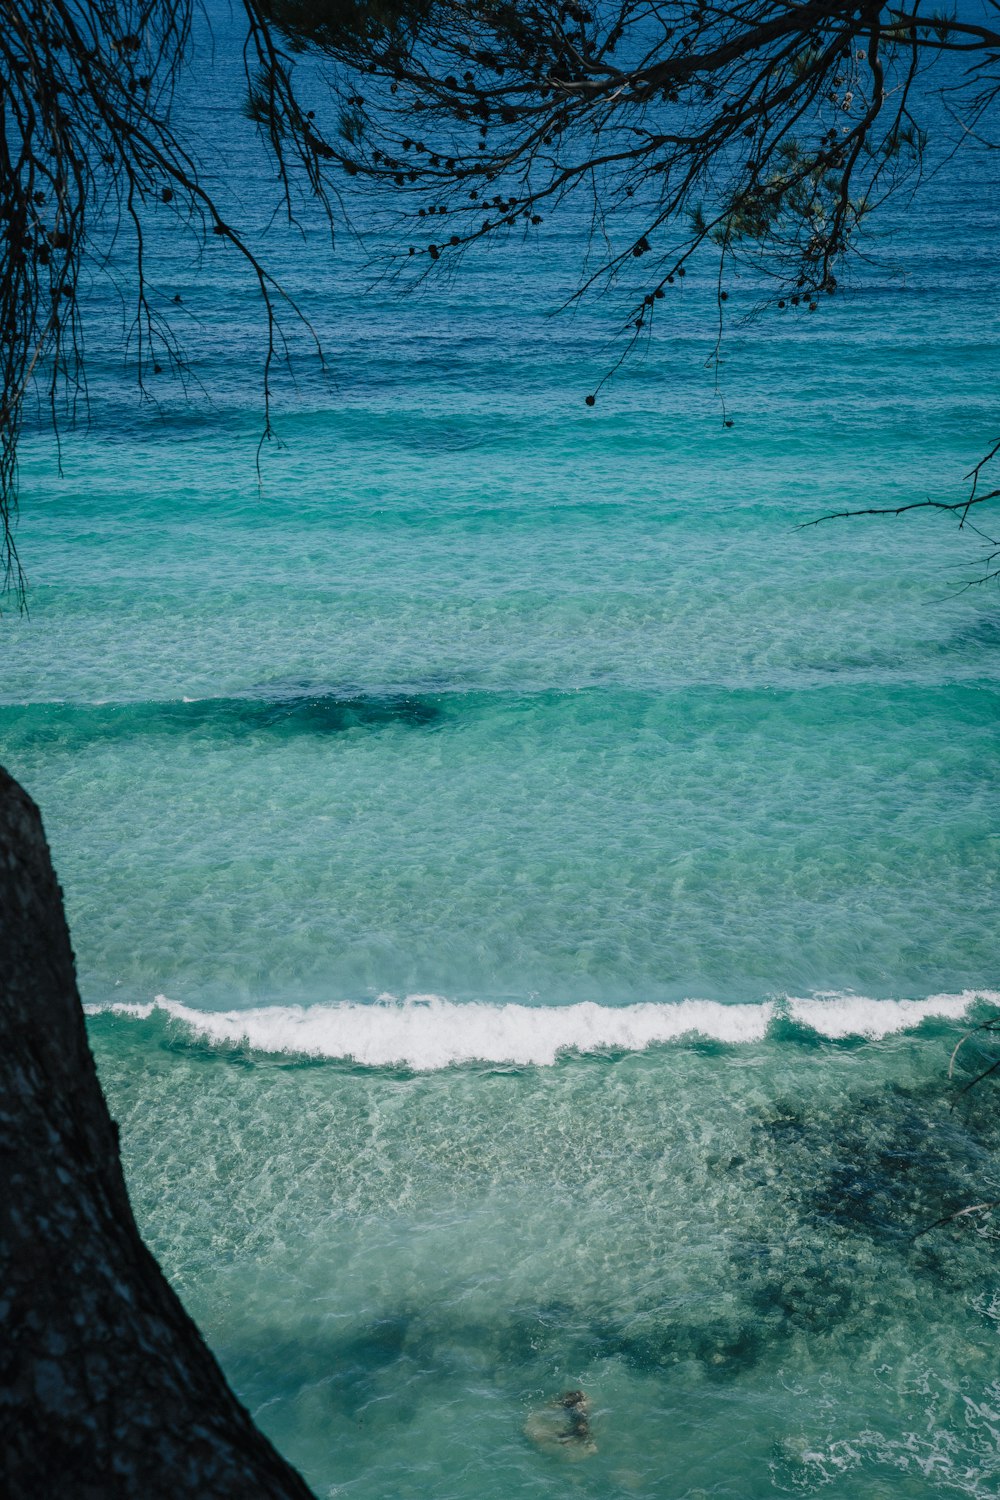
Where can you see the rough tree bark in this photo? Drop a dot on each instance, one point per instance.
(107, 1389)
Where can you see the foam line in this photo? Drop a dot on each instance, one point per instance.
(425, 1032)
(840, 1016)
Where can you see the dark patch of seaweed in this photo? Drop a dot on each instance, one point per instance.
(282, 716)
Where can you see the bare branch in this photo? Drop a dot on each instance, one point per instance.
(960, 1213)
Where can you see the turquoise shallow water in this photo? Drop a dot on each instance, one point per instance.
(679, 823)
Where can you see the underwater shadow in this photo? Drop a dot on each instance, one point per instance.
(283, 715)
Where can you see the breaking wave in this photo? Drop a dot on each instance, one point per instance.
(426, 1032)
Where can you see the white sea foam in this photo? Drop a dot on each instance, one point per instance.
(839, 1016)
(425, 1032)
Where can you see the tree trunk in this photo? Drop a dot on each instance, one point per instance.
(107, 1389)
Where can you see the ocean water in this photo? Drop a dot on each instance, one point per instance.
(526, 892)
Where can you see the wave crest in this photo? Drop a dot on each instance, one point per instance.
(426, 1032)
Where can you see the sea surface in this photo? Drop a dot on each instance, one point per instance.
(526, 892)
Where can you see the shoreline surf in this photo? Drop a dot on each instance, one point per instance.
(428, 1032)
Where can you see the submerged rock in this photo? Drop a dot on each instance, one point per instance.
(106, 1386)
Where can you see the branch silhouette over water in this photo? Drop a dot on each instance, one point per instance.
(761, 137)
